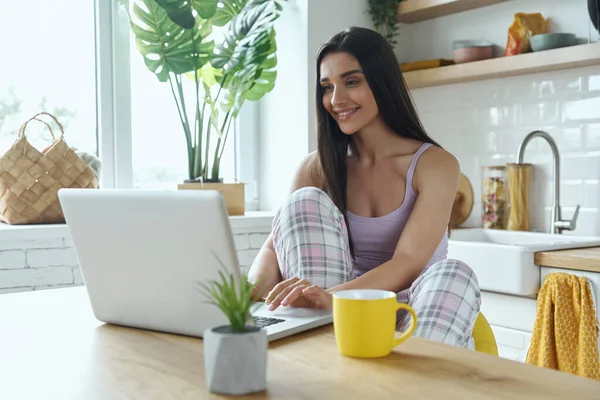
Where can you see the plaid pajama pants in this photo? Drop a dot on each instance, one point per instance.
(311, 242)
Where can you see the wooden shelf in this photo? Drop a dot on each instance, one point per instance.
(410, 11)
(582, 55)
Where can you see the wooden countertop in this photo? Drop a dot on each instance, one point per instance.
(52, 347)
(585, 259)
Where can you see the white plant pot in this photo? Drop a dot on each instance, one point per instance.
(235, 363)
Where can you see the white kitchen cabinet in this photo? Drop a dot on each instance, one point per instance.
(512, 343)
(511, 318)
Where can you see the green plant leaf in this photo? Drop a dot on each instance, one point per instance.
(246, 30)
(208, 74)
(255, 76)
(234, 300)
(166, 46)
(179, 11)
(383, 15)
(206, 8)
(226, 10)
(265, 82)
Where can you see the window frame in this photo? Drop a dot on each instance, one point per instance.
(113, 109)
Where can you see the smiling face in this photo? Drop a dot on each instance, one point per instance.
(346, 93)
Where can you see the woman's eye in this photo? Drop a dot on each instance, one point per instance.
(326, 88)
(351, 82)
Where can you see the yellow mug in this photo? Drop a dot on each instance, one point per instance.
(364, 322)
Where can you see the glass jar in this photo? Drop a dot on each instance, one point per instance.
(494, 199)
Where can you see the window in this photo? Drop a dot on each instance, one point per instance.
(77, 60)
(48, 65)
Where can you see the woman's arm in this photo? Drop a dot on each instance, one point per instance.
(436, 181)
(264, 272)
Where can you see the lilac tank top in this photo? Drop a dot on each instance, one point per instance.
(375, 238)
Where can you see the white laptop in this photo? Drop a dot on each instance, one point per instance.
(142, 254)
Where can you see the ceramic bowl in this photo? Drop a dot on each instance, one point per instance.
(549, 41)
(471, 50)
(462, 44)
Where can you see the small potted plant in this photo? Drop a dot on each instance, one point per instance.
(235, 355)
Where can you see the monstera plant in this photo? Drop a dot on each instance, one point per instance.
(177, 41)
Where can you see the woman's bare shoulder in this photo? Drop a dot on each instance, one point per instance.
(438, 162)
(309, 172)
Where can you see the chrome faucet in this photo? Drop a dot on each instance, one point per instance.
(557, 224)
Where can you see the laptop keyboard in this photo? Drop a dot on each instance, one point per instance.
(265, 321)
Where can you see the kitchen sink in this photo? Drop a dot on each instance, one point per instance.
(503, 260)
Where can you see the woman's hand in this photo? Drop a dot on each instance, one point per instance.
(297, 292)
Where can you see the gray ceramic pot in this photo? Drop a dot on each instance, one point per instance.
(235, 363)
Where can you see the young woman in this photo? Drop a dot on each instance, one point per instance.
(370, 208)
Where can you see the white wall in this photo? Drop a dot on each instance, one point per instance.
(287, 114)
(484, 122)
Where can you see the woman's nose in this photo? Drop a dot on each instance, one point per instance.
(338, 98)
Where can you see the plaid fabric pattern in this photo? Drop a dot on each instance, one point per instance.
(447, 300)
(311, 239)
(311, 242)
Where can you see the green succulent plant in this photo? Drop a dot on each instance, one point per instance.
(234, 299)
(176, 41)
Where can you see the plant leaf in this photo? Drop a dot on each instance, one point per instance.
(205, 8)
(226, 10)
(255, 76)
(235, 301)
(179, 11)
(246, 30)
(166, 46)
(248, 54)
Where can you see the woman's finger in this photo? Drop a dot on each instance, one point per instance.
(313, 289)
(293, 295)
(276, 301)
(279, 287)
(318, 296)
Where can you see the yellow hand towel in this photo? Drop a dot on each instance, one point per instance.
(565, 333)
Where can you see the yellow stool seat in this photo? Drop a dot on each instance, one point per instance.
(483, 336)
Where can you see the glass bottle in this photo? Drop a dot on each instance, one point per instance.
(494, 200)
(519, 180)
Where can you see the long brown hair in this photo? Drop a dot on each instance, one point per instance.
(382, 73)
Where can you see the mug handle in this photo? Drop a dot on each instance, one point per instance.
(413, 323)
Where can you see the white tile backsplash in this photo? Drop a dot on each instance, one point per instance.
(487, 120)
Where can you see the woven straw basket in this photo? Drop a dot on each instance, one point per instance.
(30, 180)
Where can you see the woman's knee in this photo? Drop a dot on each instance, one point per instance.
(307, 205)
(447, 299)
(453, 277)
(307, 192)
(456, 269)
(309, 239)
(310, 194)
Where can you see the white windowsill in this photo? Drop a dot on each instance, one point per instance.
(239, 224)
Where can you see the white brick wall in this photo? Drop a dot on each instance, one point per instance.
(30, 262)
